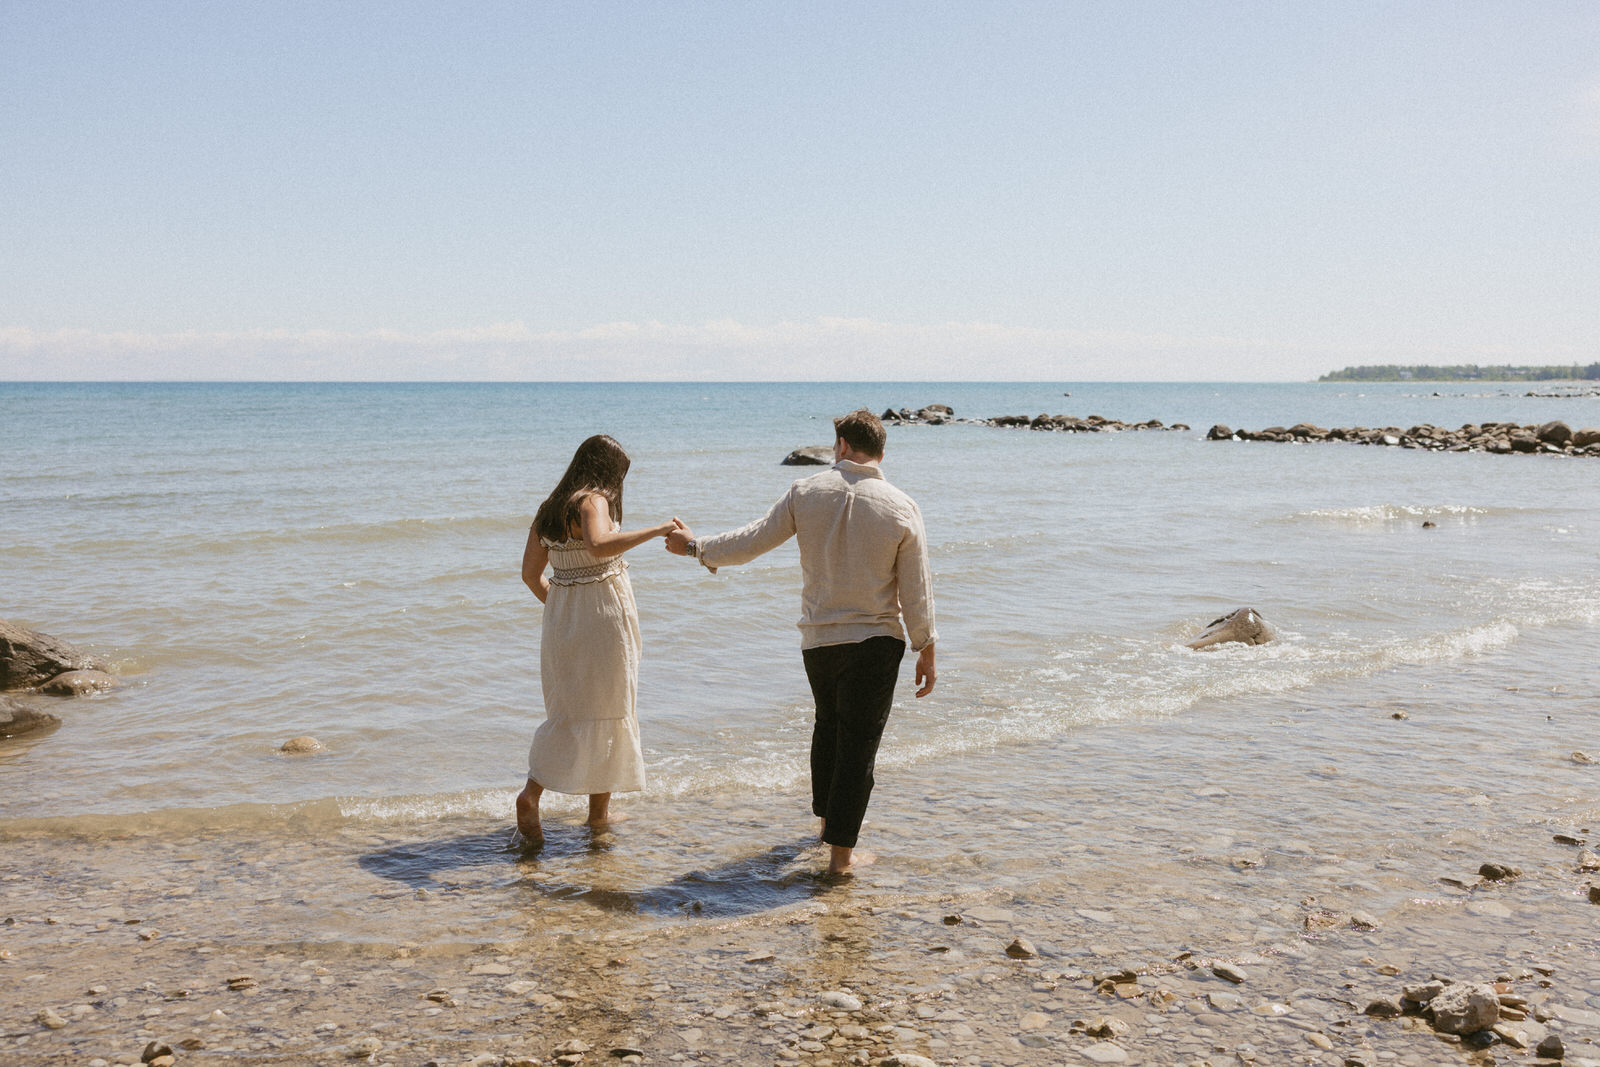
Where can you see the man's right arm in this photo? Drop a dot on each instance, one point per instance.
(745, 543)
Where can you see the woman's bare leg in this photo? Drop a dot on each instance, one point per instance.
(599, 811)
(528, 813)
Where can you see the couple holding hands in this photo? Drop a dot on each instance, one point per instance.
(864, 564)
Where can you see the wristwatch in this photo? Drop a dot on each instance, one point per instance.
(693, 548)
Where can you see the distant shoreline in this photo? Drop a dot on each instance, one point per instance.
(1467, 372)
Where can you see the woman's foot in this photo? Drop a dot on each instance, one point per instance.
(528, 824)
(600, 816)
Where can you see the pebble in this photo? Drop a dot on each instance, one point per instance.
(839, 1000)
(1228, 971)
(1021, 949)
(1034, 1020)
(1105, 1052)
(365, 1046)
(300, 746)
(50, 1019)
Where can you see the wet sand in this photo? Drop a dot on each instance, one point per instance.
(1234, 885)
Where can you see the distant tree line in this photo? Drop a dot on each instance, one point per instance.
(1466, 372)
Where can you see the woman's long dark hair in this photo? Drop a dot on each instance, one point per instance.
(598, 466)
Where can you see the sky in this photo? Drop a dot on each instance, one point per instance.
(987, 190)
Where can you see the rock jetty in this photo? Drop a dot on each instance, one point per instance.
(943, 415)
(1500, 438)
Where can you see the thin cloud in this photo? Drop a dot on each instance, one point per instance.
(836, 349)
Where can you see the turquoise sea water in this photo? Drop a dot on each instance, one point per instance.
(262, 561)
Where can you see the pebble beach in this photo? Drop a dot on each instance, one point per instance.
(1184, 913)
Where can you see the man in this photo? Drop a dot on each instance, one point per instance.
(863, 561)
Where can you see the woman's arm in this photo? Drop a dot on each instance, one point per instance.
(534, 558)
(603, 542)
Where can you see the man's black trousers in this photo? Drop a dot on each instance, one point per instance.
(853, 685)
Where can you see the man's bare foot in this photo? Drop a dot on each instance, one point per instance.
(846, 860)
(528, 824)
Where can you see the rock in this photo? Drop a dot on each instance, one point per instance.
(154, 1050)
(1107, 1027)
(1594, 894)
(28, 658)
(573, 1047)
(811, 456)
(1105, 1053)
(1421, 994)
(906, 1059)
(1244, 625)
(1551, 1048)
(1583, 757)
(1555, 432)
(1499, 872)
(1219, 432)
(839, 1000)
(79, 683)
(1226, 1001)
(1383, 1008)
(301, 746)
(1021, 949)
(362, 1047)
(50, 1018)
(1465, 1009)
(1586, 437)
(1229, 972)
(17, 718)
(1360, 920)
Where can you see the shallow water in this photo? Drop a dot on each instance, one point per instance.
(265, 561)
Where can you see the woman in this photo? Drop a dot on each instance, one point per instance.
(589, 651)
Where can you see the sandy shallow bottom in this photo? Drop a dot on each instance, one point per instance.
(1325, 843)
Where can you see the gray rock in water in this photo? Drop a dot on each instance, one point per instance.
(78, 683)
(29, 659)
(1465, 1009)
(811, 456)
(17, 718)
(300, 746)
(1243, 626)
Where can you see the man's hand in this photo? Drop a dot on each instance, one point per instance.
(927, 673)
(678, 540)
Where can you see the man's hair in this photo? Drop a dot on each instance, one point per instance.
(862, 431)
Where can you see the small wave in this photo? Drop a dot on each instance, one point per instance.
(1381, 513)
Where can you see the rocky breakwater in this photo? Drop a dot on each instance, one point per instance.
(943, 415)
(1500, 438)
(33, 662)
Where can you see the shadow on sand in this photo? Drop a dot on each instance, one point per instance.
(783, 874)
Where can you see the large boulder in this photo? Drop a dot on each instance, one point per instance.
(1243, 626)
(29, 659)
(17, 718)
(1586, 437)
(1555, 432)
(812, 456)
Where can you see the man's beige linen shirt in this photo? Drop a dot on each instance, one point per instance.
(863, 556)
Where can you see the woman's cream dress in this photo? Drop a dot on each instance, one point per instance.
(589, 666)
